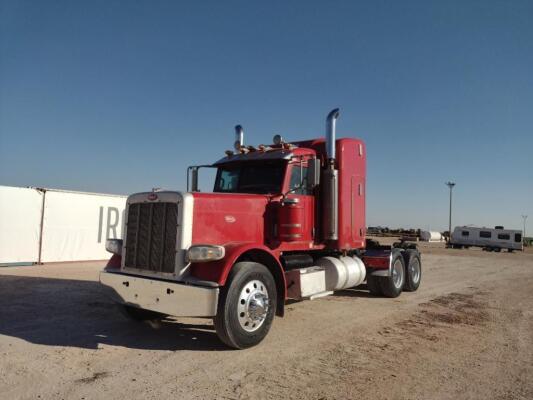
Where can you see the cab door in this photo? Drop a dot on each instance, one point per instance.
(302, 194)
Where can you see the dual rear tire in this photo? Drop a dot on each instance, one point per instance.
(413, 267)
(406, 274)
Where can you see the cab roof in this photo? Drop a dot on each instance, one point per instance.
(270, 154)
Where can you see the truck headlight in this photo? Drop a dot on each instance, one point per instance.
(114, 246)
(205, 252)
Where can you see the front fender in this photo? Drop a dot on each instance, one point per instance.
(218, 271)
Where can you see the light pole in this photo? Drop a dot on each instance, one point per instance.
(450, 185)
(524, 217)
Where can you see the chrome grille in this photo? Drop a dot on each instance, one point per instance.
(151, 236)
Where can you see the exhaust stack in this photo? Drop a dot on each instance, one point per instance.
(331, 121)
(330, 179)
(239, 138)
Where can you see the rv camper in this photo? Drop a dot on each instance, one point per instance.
(489, 239)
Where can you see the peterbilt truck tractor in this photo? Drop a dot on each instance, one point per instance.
(284, 221)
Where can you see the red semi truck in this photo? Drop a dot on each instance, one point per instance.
(284, 221)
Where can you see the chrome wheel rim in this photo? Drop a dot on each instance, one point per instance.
(253, 305)
(397, 274)
(414, 269)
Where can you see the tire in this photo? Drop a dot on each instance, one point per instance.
(139, 314)
(413, 268)
(241, 319)
(391, 286)
(372, 282)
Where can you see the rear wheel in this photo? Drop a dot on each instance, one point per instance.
(372, 282)
(246, 305)
(413, 267)
(391, 286)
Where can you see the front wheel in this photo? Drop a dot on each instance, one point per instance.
(391, 286)
(246, 305)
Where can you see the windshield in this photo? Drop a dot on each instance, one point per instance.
(250, 177)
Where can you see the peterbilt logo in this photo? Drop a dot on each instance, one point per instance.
(230, 219)
(152, 196)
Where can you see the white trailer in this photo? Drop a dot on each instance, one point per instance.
(431, 236)
(491, 239)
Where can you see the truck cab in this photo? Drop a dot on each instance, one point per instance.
(285, 220)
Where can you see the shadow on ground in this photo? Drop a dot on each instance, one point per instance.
(359, 291)
(60, 312)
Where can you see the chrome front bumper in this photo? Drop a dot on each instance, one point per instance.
(162, 296)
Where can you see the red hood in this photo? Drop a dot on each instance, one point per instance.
(222, 218)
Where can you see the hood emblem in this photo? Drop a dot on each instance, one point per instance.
(152, 197)
(230, 219)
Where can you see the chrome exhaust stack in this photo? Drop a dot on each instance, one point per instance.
(331, 122)
(330, 182)
(239, 138)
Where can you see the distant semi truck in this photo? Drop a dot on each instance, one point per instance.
(488, 238)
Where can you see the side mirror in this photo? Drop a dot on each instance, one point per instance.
(194, 176)
(313, 172)
(195, 180)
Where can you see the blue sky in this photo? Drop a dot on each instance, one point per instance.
(121, 96)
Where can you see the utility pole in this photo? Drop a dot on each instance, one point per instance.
(450, 185)
(524, 217)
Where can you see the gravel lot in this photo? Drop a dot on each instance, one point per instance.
(466, 334)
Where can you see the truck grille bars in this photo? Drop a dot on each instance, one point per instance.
(151, 236)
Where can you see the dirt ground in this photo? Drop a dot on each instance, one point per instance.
(466, 334)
